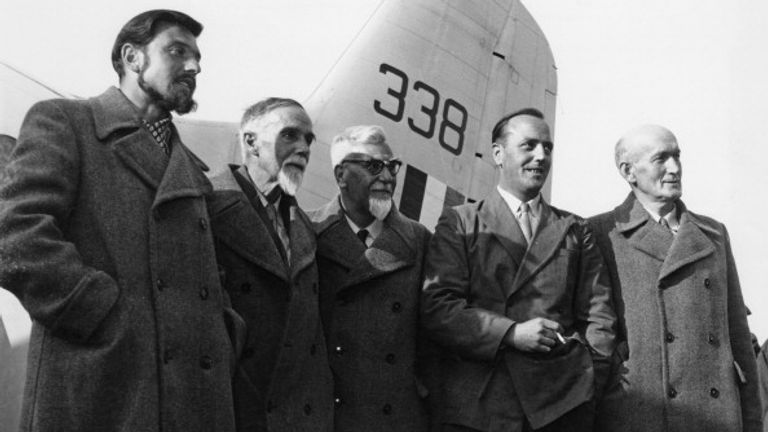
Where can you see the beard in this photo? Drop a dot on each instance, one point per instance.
(179, 97)
(379, 207)
(289, 178)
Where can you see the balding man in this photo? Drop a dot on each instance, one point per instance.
(516, 292)
(685, 361)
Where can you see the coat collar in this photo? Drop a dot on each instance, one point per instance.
(177, 176)
(691, 243)
(237, 224)
(392, 250)
(552, 228)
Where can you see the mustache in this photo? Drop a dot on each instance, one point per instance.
(300, 160)
(189, 80)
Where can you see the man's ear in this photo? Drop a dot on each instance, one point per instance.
(338, 174)
(132, 57)
(627, 171)
(498, 154)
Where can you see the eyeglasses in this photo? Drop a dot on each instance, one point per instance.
(376, 166)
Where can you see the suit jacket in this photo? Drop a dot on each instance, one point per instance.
(283, 382)
(686, 358)
(370, 303)
(481, 279)
(106, 242)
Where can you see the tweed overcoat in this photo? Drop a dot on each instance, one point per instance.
(283, 382)
(370, 304)
(481, 279)
(106, 243)
(686, 361)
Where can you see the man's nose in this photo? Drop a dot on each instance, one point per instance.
(538, 152)
(673, 165)
(192, 65)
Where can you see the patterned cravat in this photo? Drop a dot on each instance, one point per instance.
(525, 221)
(161, 132)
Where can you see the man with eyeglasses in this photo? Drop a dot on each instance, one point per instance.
(516, 292)
(370, 260)
(265, 247)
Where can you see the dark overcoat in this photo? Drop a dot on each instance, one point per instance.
(481, 279)
(370, 303)
(106, 243)
(687, 362)
(283, 382)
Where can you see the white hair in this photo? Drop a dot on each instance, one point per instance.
(352, 138)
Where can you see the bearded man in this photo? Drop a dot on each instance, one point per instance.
(104, 238)
(266, 252)
(370, 259)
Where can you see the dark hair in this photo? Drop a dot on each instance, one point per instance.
(497, 130)
(142, 28)
(264, 106)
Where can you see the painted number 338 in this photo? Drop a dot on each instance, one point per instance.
(451, 130)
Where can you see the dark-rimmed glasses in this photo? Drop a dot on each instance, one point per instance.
(376, 166)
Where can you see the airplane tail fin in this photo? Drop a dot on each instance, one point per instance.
(436, 75)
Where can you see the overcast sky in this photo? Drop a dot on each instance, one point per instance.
(697, 67)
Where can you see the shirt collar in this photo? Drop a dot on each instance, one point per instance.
(514, 203)
(671, 217)
(374, 229)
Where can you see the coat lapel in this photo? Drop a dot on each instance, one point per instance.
(390, 251)
(116, 118)
(690, 244)
(236, 223)
(303, 244)
(183, 177)
(546, 242)
(632, 221)
(502, 224)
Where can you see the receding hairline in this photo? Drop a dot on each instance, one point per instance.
(631, 141)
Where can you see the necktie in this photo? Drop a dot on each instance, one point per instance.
(525, 221)
(277, 221)
(363, 236)
(663, 222)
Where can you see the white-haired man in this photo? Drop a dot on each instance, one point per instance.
(266, 253)
(370, 261)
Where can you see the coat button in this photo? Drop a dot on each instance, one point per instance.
(387, 409)
(714, 393)
(160, 284)
(672, 393)
(248, 352)
(203, 224)
(307, 409)
(707, 283)
(711, 339)
(245, 287)
(337, 402)
(203, 293)
(313, 349)
(669, 337)
(390, 358)
(397, 307)
(338, 351)
(206, 362)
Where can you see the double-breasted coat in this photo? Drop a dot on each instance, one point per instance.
(481, 279)
(370, 303)
(686, 359)
(283, 382)
(106, 243)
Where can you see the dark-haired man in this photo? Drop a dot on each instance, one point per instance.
(105, 239)
(516, 292)
(266, 251)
